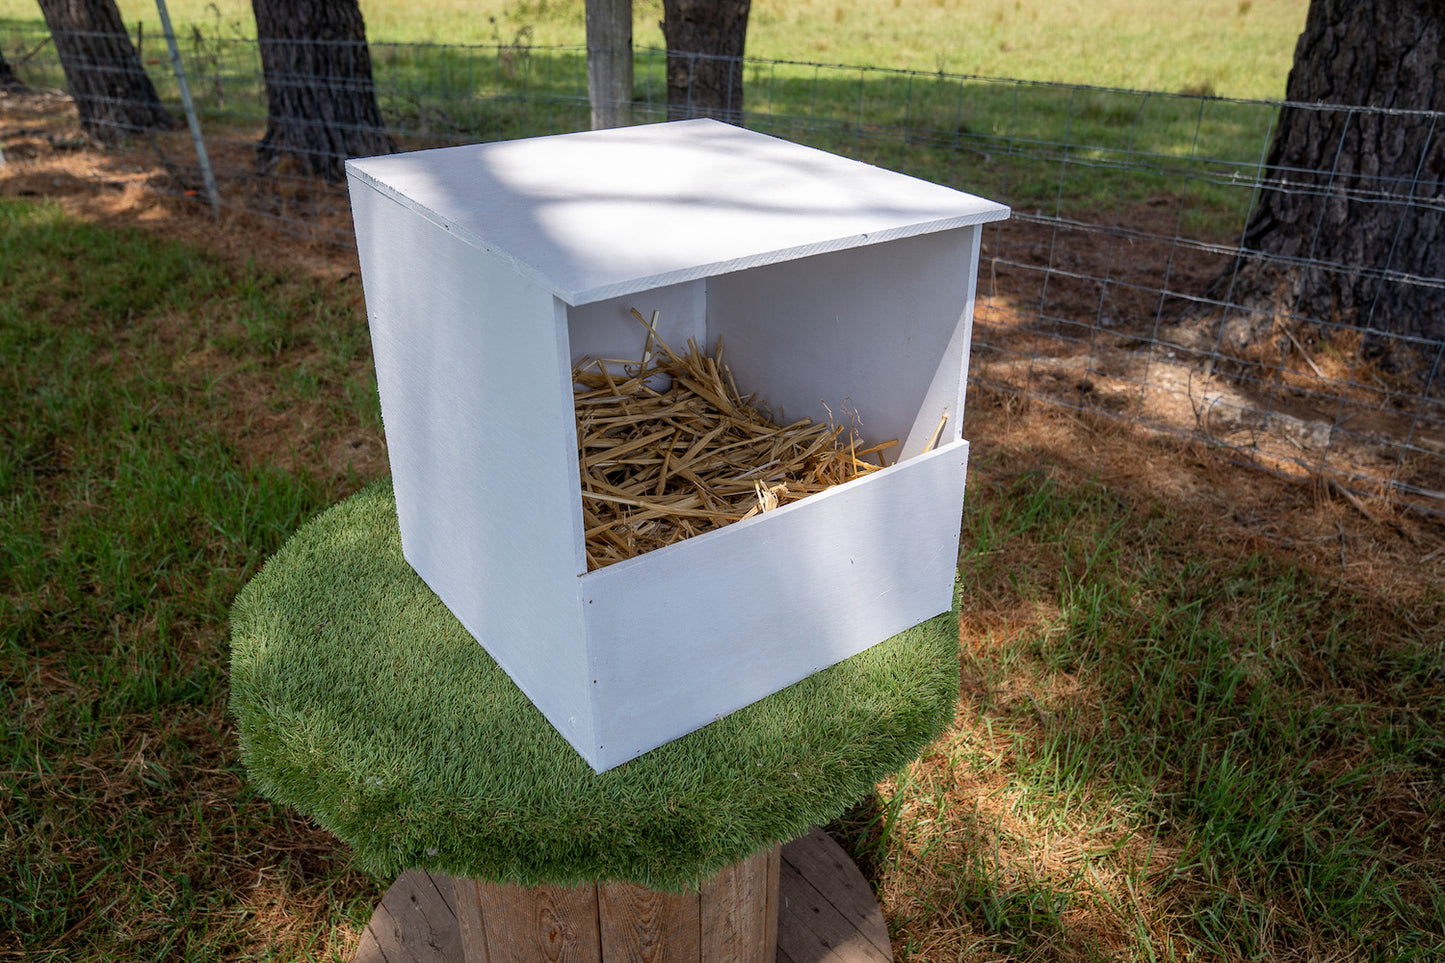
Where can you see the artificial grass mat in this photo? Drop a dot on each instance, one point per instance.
(363, 703)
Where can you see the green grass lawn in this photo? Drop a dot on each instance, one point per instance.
(1041, 145)
(141, 380)
(1076, 152)
(1235, 48)
(1176, 740)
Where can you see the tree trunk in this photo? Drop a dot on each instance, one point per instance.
(320, 97)
(609, 62)
(112, 92)
(1348, 229)
(705, 41)
(8, 80)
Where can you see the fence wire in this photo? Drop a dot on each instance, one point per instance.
(1127, 282)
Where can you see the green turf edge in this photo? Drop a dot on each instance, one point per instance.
(362, 702)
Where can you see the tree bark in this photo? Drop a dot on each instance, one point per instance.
(8, 80)
(320, 95)
(705, 40)
(112, 92)
(609, 62)
(1348, 228)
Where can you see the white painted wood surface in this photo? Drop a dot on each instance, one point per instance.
(835, 286)
(949, 384)
(476, 400)
(686, 634)
(607, 329)
(860, 330)
(605, 213)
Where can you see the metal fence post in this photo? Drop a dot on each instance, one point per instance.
(191, 118)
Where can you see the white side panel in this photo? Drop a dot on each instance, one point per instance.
(471, 363)
(686, 634)
(950, 380)
(860, 330)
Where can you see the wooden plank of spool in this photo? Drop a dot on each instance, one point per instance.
(811, 905)
(415, 923)
(513, 924)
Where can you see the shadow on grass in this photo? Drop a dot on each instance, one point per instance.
(134, 511)
(1173, 737)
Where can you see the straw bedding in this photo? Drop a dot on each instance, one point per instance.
(669, 448)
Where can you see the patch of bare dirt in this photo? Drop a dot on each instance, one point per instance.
(154, 184)
(1085, 315)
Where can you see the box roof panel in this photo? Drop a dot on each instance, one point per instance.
(602, 214)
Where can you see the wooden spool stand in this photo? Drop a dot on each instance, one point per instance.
(734, 917)
(801, 903)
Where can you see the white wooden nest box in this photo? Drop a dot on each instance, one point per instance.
(836, 286)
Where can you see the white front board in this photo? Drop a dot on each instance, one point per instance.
(686, 634)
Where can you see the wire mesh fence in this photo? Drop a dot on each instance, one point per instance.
(1132, 280)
